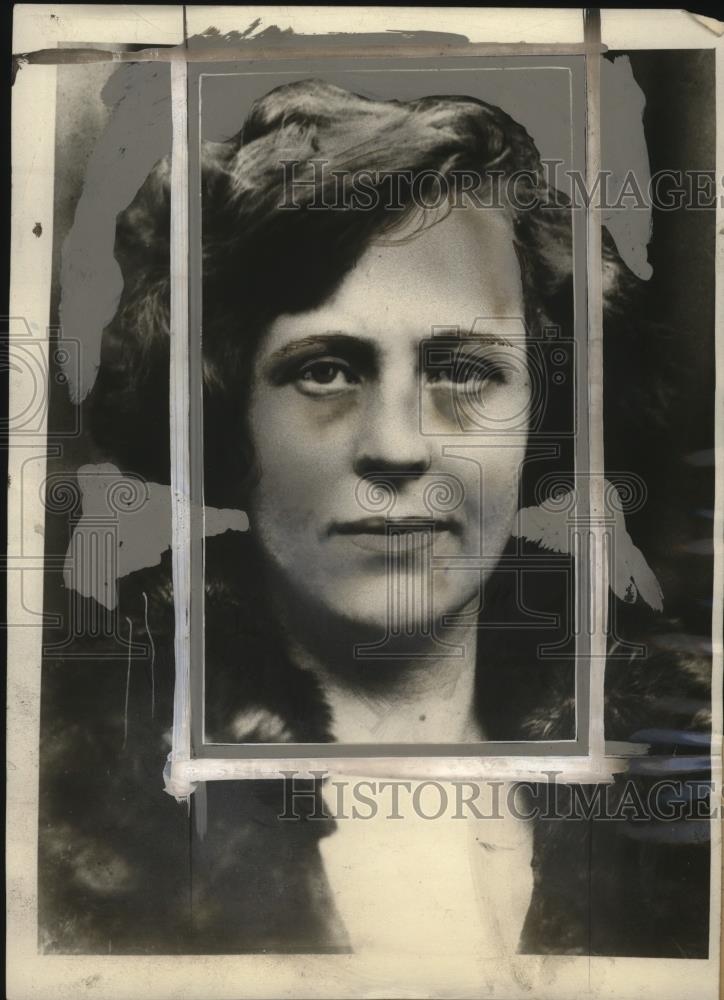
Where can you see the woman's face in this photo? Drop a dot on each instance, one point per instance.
(403, 396)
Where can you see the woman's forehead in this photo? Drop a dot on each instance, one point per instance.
(460, 272)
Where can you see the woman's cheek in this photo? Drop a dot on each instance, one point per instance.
(500, 493)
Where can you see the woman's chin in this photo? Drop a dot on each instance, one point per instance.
(415, 607)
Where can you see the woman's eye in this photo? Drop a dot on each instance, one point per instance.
(467, 373)
(325, 377)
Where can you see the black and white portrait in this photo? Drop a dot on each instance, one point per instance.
(379, 582)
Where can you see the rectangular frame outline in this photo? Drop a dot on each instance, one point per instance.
(199, 749)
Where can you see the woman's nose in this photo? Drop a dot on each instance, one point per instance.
(391, 438)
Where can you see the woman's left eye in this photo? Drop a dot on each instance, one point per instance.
(325, 376)
(467, 372)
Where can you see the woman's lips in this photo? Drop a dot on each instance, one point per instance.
(394, 537)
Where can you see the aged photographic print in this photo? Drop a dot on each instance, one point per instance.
(365, 498)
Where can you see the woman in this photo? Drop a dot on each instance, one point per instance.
(291, 448)
(364, 344)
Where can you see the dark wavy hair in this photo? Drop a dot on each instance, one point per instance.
(261, 260)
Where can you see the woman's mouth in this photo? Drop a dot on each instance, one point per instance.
(395, 537)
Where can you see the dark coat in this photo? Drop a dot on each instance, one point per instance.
(124, 869)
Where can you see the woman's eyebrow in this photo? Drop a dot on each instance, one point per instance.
(329, 341)
(482, 337)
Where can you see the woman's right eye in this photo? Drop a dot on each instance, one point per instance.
(325, 377)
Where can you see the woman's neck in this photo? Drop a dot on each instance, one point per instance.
(423, 693)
